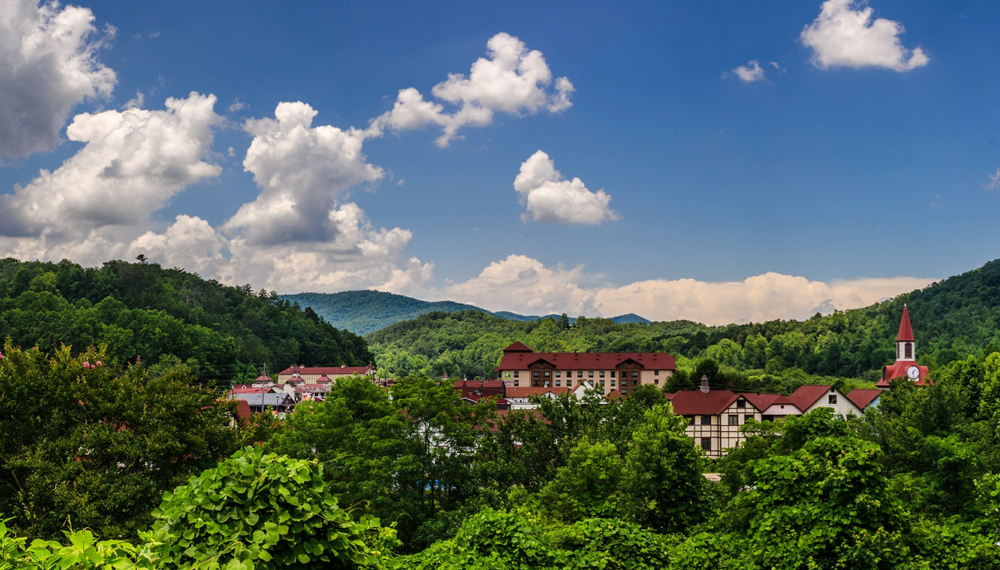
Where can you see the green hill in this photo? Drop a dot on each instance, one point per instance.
(952, 319)
(365, 312)
(143, 311)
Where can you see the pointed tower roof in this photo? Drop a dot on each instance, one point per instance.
(905, 332)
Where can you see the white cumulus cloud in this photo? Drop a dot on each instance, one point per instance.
(750, 72)
(844, 34)
(301, 171)
(48, 65)
(549, 197)
(132, 163)
(522, 284)
(513, 80)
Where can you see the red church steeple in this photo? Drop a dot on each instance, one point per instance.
(906, 357)
(905, 331)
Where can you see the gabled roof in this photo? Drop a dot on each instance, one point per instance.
(806, 396)
(862, 397)
(517, 347)
(905, 331)
(328, 370)
(586, 360)
(764, 401)
(711, 403)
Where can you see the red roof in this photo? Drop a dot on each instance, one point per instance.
(898, 370)
(242, 410)
(327, 370)
(516, 360)
(864, 396)
(765, 401)
(517, 347)
(905, 331)
(698, 403)
(806, 396)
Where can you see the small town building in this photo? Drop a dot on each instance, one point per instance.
(318, 374)
(521, 367)
(906, 358)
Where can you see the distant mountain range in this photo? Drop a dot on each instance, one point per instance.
(363, 312)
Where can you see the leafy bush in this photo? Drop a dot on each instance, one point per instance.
(263, 511)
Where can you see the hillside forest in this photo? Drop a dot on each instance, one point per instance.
(162, 317)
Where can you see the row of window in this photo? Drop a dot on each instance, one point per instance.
(579, 374)
(569, 383)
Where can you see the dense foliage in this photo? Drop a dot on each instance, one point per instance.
(415, 479)
(221, 334)
(84, 444)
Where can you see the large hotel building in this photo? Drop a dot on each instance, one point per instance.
(607, 372)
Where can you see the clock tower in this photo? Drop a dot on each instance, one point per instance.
(906, 357)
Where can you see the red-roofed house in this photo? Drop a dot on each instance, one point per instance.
(715, 416)
(865, 397)
(808, 398)
(313, 375)
(624, 371)
(775, 406)
(906, 358)
(475, 390)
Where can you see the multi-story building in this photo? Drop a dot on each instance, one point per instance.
(605, 371)
(323, 374)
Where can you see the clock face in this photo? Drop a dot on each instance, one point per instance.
(913, 372)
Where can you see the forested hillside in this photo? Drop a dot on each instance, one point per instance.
(952, 319)
(162, 315)
(365, 312)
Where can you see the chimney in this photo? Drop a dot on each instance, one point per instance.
(704, 384)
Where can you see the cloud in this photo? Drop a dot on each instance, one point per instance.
(236, 106)
(551, 198)
(48, 65)
(360, 256)
(522, 284)
(994, 182)
(750, 72)
(843, 36)
(296, 236)
(513, 80)
(132, 163)
(301, 171)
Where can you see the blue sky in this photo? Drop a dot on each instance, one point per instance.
(857, 167)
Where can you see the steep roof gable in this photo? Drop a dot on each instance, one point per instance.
(905, 330)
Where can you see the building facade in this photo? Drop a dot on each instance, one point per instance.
(521, 367)
(317, 374)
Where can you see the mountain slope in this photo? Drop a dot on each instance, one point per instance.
(364, 312)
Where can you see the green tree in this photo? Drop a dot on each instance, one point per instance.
(661, 478)
(87, 445)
